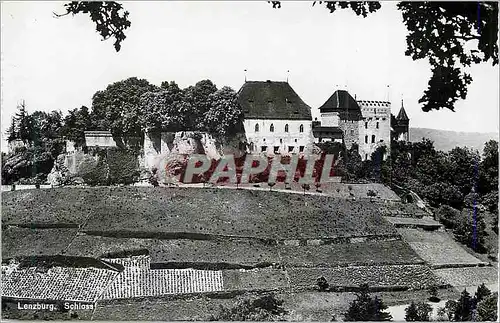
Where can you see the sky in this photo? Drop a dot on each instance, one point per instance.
(59, 63)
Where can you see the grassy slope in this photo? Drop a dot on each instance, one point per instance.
(209, 211)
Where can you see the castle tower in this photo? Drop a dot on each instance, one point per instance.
(401, 125)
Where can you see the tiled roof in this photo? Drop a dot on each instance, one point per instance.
(341, 101)
(272, 100)
(328, 132)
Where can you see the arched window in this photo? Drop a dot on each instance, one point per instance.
(271, 128)
(301, 128)
(252, 146)
(373, 139)
(366, 139)
(377, 125)
(286, 128)
(256, 127)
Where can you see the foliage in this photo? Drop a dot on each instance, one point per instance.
(487, 308)
(92, 171)
(468, 226)
(255, 308)
(118, 107)
(322, 284)
(482, 292)
(366, 308)
(464, 307)
(123, 166)
(469, 229)
(197, 102)
(418, 312)
(75, 124)
(109, 17)
(163, 109)
(224, 115)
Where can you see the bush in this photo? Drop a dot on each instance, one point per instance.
(123, 166)
(322, 284)
(256, 308)
(418, 312)
(470, 231)
(92, 171)
(365, 308)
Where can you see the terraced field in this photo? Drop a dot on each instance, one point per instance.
(161, 242)
(56, 283)
(163, 213)
(438, 249)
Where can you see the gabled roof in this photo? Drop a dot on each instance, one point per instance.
(272, 100)
(341, 101)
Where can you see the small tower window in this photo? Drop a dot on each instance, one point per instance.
(286, 128)
(301, 128)
(373, 139)
(366, 139)
(366, 125)
(257, 127)
(271, 128)
(377, 125)
(281, 141)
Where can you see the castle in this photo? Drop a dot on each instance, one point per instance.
(277, 121)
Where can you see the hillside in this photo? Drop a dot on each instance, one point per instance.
(446, 140)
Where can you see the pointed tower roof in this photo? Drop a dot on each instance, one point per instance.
(340, 101)
(402, 113)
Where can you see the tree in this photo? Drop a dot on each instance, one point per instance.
(482, 292)
(110, 18)
(452, 36)
(487, 308)
(75, 124)
(418, 312)
(225, 116)
(255, 308)
(118, 108)
(464, 307)
(488, 180)
(366, 308)
(197, 102)
(162, 111)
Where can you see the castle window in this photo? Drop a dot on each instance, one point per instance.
(252, 146)
(301, 148)
(377, 125)
(352, 132)
(383, 119)
(301, 128)
(281, 141)
(295, 140)
(276, 149)
(263, 148)
(366, 139)
(366, 125)
(286, 128)
(366, 156)
(271, 128)
(257, 127)
(290, 149)
(373, 139)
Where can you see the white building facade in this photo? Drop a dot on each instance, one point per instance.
(276, 120)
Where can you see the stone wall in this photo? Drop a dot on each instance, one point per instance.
(158, 147)
(375, 128)
(351, 132)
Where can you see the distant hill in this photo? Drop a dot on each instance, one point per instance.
(446, 140)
